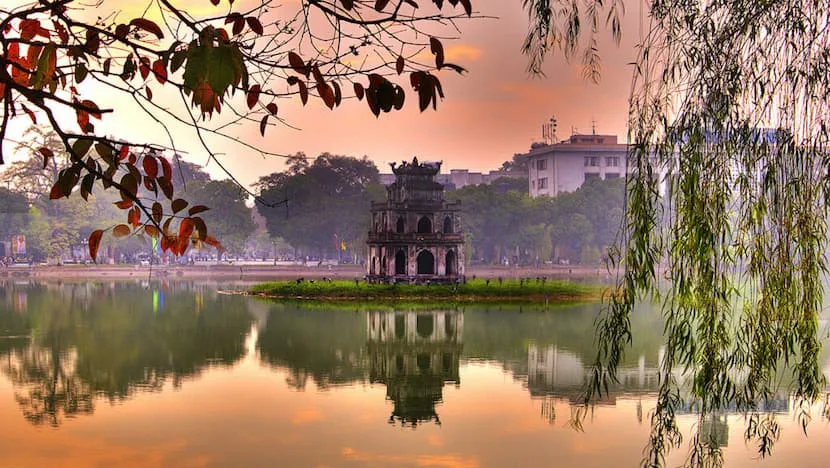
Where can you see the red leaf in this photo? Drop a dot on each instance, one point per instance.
(272, 108)
(359, 91)
(151, 167)
(186, 228)
(347, 4)
(255, 25)
(122, 30)
(157, 212)
(303, 92)
(438, 49)
(380, 5)
(122, 230)
(338, 96)
(327, 94)
(232, 17)
(214, 2)
(297, 64)
(253, 96)
(29, 29)
(149, 93)
(196, 209)
(147, 25)
(124, 204)
(166, 170)
(134, 217)
(399, 65)
(123, 152)
(178, 205)
(238, 24)
(468, 7)
(94, 110)
(151, 231)
(47, 155)
(262, 124)
(210, 240)
(182, 245)
(160, 71)
(94, 243)
(63, 34)
(56, 192)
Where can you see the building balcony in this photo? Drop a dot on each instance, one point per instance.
(414, 237)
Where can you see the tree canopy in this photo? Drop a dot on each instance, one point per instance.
(208, 72)
(327, 202)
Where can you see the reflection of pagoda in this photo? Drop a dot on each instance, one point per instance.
(414, 354)
(416, 235)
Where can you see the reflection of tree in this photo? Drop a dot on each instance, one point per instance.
(106, 339)
(49, 388)
(326, 346)
(414, 353)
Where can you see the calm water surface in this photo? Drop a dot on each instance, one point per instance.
(174, 374)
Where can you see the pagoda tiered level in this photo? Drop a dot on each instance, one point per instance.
(416, 236)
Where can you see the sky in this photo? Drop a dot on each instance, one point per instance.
(490, 113)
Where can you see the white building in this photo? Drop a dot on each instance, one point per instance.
(565, 166)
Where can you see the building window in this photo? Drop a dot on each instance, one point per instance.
(590, 176)
(612, 175)
(543, 183)
(542, 165)
(532, 184)
(592, 161)
(612, 161)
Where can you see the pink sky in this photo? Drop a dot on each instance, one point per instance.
(490, 113)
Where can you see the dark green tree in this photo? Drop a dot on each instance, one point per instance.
(327, 202)
(229, 217)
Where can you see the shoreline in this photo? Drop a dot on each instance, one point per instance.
(267, 271)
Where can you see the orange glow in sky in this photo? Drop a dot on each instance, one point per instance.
(490, 113)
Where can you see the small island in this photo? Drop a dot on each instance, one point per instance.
(532, 290)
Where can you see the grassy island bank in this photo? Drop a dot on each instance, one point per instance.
(485, 291)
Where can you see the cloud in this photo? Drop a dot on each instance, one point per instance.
(462, 53)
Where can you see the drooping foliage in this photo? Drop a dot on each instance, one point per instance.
(729, 198)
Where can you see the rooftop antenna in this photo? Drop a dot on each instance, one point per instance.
(549, 131)
(593, 126)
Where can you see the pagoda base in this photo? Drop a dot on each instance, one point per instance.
(417, 279)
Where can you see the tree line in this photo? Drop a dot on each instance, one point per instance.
(327, 213)
(56, 230)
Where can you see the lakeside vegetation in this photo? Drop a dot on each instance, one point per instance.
(480, 290)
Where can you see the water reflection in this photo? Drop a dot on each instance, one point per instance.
(67, 349)
(74, 342)
(414, 353)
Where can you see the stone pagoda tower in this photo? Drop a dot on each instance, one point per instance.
(416, 235)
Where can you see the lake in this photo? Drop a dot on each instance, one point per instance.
(171, 373)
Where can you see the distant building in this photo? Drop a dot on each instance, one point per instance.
(415, 235)
(459, 178)
(565, 166)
